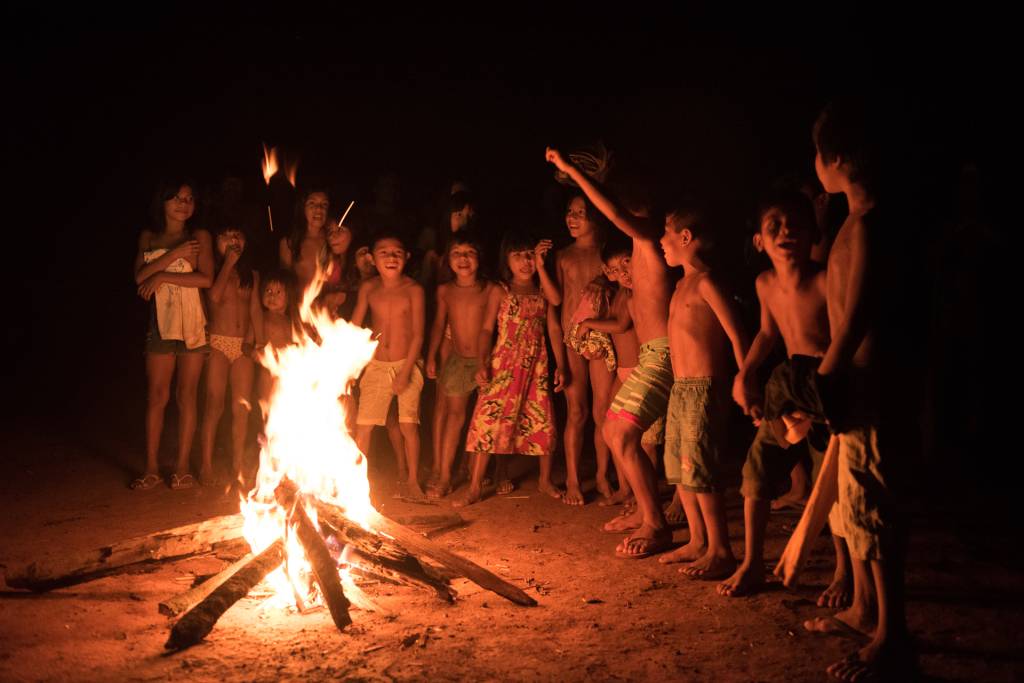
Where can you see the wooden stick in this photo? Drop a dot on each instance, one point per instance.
(325, 569)
(69, 569)
(183, 602)
(345, 215)
(199, 621)
(402, 575)
(417, 544)
(819, 504)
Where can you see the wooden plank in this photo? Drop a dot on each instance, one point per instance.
(183, 602)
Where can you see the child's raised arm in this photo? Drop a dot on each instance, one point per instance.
(633, 226)
(487, 334)
(744, 391)
(436, 332)
(727, 316)
(557, 348)
(552, 292)
(853, 326)
(220, 283)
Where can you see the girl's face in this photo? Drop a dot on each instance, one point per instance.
(316, 209)
(339, 238)
(364, 262)
(230, 239)
(275, 299)
(181, 206)
(521, 264)
(464, 260)
(576, 218)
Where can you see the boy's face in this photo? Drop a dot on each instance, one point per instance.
(618, 270)
(576, 218)
(316, 210)
(389, 256)
(364, 262)
(464, 261)
(676, 242)
(783, 239)
(521, 264)
(339, 238)
(230, 239)
(274, 298)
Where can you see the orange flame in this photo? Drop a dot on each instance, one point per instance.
(269, 163)
(290, 170)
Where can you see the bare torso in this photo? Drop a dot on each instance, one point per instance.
(466, 307)
(800, 311)
(391, 314)
(838, 278)
(578, 265)
(650, 291)
(277, 328)
(627, 348)
(304, 266)
(230, 316)
(698, 342)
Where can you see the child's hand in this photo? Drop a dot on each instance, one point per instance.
(559, 380)
(540, 251)
(553, 156)
(189, 249)
(149, 286)
(400, 383)
(231, 256)
(585, 324)
(432, 368)
(747, 396)
(595, 291)
(482, 377)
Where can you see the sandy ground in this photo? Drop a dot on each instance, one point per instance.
(599, 617)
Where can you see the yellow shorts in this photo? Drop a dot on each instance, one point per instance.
(375, 393)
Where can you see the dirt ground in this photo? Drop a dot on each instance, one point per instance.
(599, 617)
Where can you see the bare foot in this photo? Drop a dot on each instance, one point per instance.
(604, 488)
(746, 580)
(851, 623)
(468, 498)
(624, 523)
(550, 489)
(206, 476)
(839, 593)
(644, 542)
(791, 500)
(674, 513)
(688, 553)
(891, 660)
(573, 496)
(438, 489)
(711, 567)
(617, 498)
(505, 487)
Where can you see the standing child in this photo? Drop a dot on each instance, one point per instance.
(514, 413)
(792, 296)
(396, 307)
(232, 309)
(461, 304)
(275, 325)
(173, 263)
(301, 250)
(702, 325)
(577, 266)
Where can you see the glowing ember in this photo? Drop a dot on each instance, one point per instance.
(306, 437)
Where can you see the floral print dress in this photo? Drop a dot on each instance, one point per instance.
(514, 412)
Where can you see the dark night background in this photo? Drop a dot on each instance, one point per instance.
(101, 109)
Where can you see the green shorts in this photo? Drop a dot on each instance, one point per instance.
(458, 376)
(695, 433)
(643, 397)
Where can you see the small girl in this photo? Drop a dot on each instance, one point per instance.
(341, 278)
(277, 324)
(514, 413)
(233, 309)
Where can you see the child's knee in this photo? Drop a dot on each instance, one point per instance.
(614, 434)
(159, 396)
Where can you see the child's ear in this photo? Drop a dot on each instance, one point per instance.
(685, 236)
(758, 242)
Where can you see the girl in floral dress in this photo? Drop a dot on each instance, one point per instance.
(514, 413)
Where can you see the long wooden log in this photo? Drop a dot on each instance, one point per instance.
(183, 602)
(199, 621)
(325, 569)
(69, 569)
(812, 521)
(418, 545)
(380, 568)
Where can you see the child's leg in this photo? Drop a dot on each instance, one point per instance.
(651, 532)
(749, 575)
(544, 484)
(241, 395)
(217, 369)
(440, 427)
(411, 436)
(190, 367)
(838, 592)
(697, 546)
(159, 372)
(397, 442)
(718, 562)
(575, 420)
(455, 417)
(478, 467)
(601, 382)
(364, 435)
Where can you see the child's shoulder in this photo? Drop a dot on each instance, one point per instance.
(765, 280)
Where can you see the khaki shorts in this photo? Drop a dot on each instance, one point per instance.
(458, 376)
(868, 512)
(375, 393)
(695, 433)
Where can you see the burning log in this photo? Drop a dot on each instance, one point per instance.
(199, 621)
(375, 567)
(815, 514)
(67, 570)
(183, 602)
(422, 546)
(325, 569)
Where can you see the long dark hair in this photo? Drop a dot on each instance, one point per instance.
(299, 226)
(244, 267)
(166, 190)
(468, 238)
(513, 241)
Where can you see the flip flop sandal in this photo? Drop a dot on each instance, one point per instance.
(505, 487)
(185, 481)
(144, 483)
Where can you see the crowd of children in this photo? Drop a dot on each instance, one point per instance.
(649, 357)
